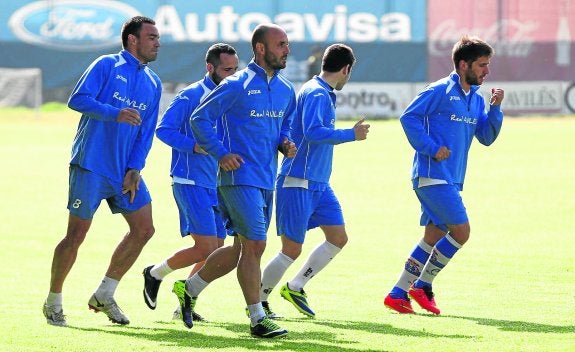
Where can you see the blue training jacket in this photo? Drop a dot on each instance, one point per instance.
(442, 115)
(255, 116)
(111, 83)
(314, 133)
(175, 130)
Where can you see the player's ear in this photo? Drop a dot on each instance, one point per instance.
(260, 47)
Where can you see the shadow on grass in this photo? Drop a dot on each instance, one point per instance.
(176, 336)
(387, 329)
(521, 326)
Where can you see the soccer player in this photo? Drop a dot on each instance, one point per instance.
(256, 108)
(118, 96)
(304, 197)
(193, 174)
(440, 124)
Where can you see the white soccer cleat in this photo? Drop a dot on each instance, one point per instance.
(54, 316)
(110, 308)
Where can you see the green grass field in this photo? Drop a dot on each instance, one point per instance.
(511, 288)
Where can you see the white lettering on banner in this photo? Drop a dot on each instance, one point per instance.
(70, 24)
(76, 24)
(373, 99)
(519, 43)
(528, 97)
(389, 100)
(229, 26)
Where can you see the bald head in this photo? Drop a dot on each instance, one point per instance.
(271, 47)
(260, 33)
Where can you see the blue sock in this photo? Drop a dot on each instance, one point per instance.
(441, 254)
(412, 269)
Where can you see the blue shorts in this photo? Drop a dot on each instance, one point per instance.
(87, 189)
(248, 210)
(199, 212)
(441, 205)
(299, 210)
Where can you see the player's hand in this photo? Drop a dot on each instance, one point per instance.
(231, 162)
(131, 183)
(288, 148)
(442, 154)
(360, 130)
(496, 96)
(199, 150)
(129, 116)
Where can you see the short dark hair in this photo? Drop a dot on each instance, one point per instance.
(133, 26)
(336, 57)
(214, 52)
(469, 49)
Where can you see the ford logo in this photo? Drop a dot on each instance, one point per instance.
(71, 25)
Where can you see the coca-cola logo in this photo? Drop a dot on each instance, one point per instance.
(71, 25)
(508, 37)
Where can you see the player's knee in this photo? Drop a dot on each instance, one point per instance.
(205, 249)
(143, 233)
(460, 233)
(339, 241)
(73, 240)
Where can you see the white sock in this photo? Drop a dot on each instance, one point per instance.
(317, 260)
(195, 285)
(256, 312)
(273, 273)
(54, 299)
(160, 271)
(107, 287)
(414, 265)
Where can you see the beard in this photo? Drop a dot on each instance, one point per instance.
(216, 78)
(273, 61)
(471, 78)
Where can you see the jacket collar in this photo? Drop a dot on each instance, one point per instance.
(258, 69)
(323, 83)
(131, 59)
(453, 76)
(208, 82)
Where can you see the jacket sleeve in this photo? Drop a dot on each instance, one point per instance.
(169, 128)
(204, 118)
(143, 142)
(489, 124)
(415, 119)
(84, 96)
(316, 107)
(287, 122)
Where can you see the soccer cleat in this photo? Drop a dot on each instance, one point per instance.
(178, 315)
(151, 287)
(187, 303)
(424, 297)
(400, 305)
(269, 313)
(53, 316)
(197, 317)
(267, 310)
(110, 308)
(298, 299)
(267, 328)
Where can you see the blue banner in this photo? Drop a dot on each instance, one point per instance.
(63, 37)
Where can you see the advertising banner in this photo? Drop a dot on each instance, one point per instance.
(533, 40)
